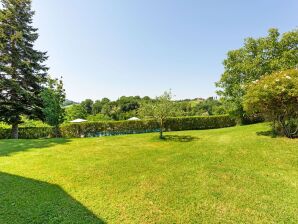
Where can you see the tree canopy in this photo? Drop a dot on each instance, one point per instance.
(22, 69)
(160, 110)
(53, 97)
(257, 58)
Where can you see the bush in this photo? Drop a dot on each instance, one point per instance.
(92, 129)
(89, 129)
(199, 122)
(276, 98)
(28, 132)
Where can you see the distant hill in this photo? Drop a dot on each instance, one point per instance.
(68, 103)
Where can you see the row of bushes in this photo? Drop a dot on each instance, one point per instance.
(90, 129)
(28, 132)
(199, 122)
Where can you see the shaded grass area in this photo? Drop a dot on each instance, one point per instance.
(179, 138)
(11, 146)
(24, 200)
(231, 175)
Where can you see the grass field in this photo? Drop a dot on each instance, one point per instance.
(231, 175)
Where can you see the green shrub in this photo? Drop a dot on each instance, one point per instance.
(275, 97)
(199, 122)
(92, 129)
(88, 129)
(28, 132)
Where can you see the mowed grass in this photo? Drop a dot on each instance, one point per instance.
(231, 175)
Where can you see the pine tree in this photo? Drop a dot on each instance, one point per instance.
(22, 69)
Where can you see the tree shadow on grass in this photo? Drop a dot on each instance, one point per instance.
(269, 133)
(25, 200)
(179, 138)
(8, 147)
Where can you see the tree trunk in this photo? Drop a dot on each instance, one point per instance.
(160, 131)
(57, 131)
(15, 131)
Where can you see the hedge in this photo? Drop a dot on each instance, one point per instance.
(28, 132)
(199, 122)
(92, 129)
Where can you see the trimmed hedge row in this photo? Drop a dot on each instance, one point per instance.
(28, 132)
(199, 122)
(92, 129)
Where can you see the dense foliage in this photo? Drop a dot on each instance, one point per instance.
(29, 132)
(198, 122)
(75, 111)
(276, 98)
(127, 106)
(258, 57)
(22, 71)
(53, 96)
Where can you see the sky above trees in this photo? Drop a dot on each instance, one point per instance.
(112, 48)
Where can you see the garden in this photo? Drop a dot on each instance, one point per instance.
(230, 158)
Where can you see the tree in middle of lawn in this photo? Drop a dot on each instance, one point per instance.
(160, 110)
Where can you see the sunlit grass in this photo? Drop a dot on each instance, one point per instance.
(231, 175)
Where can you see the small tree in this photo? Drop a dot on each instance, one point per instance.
(160, 110)
(276, 98)
(53, 97)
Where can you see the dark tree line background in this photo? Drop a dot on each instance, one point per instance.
(127, 106)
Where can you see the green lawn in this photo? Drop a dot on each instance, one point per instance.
(231, 175)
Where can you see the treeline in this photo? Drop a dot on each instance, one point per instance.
(127, 106)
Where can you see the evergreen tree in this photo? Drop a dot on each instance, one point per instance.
(22, 69)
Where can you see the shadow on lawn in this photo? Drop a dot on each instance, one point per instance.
(270, 133)
(180, 138)
(8, 147)
(25, 200)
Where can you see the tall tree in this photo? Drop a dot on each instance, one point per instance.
(258, 57)
(22, 69)
(53, 97)
(96, 108)
(88, 105)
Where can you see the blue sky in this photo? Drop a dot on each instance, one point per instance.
(110, 48)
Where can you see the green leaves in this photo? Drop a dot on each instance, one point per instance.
(53, 97)
(275, 97)
(22, 72)
(257, 58)
(161, 109)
